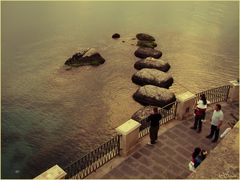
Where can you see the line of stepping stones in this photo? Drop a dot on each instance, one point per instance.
(152, 77)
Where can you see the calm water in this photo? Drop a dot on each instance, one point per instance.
(52, 116)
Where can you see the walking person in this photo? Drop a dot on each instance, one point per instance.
(200, 112)
(216, 122)
(154, 125)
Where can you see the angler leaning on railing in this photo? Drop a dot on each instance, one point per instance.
(94, 159)
(168, 113)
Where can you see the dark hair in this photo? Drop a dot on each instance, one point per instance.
(155, 110)
(196, 152)
(203, 98)
(219, 106)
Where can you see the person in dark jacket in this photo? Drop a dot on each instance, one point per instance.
(154, 125)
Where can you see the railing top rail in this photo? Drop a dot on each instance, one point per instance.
(212, 89)
(86, 154)
(168, 105)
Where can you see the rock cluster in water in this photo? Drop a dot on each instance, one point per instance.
(152, 76)
(86, 57)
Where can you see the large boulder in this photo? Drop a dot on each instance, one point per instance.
(152, 76)
(86, 57)
(144, 52)
(152, 63)
(149, 44)
(145, 37)
(153, 95)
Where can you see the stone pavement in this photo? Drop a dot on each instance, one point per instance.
(170, 156)
(223, 162)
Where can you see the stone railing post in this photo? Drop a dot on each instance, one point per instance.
(234, 91)
(185, 105)
(130, 135)
(54, 172)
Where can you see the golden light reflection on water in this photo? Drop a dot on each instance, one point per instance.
(199, 40)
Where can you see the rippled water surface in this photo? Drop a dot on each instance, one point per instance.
(52, 116)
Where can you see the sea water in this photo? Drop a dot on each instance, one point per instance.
(53, 116)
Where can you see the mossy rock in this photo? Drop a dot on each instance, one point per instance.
(145, 37)
(154, 96)
(144, 52)
(149, 44)
(86, 57)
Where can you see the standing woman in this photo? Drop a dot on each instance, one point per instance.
(200, 112)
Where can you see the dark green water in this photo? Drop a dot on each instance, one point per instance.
(52, 116)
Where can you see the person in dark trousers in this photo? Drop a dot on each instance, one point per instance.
(216, 122)
(154, 125)
(200, 113)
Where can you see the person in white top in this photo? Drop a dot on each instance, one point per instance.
(200, 113)
(216, 122)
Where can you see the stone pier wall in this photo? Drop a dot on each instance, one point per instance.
(223, 161)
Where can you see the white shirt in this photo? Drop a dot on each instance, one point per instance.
(201, 105)
(217, 117)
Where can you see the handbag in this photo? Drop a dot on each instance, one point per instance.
(191, 166)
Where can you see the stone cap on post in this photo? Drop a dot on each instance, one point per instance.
(130, 135)
(185, 105)
(128, 127)
(234, 83)
(54, 172)
(234, 91)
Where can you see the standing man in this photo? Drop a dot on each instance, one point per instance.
(154, 125)
(217, 119)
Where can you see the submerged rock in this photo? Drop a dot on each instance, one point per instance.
(142, 113)
(87, 57)
(152, 76)
(149, 44)
(153, 95)
(144, 52)
(116, 36)
(145, 37)
(152, 63)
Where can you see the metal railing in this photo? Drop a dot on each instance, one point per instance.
(94, 159)
(215, 95)
(168, 113)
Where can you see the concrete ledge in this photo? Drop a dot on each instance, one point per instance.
(223, 161)
(54, 172)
